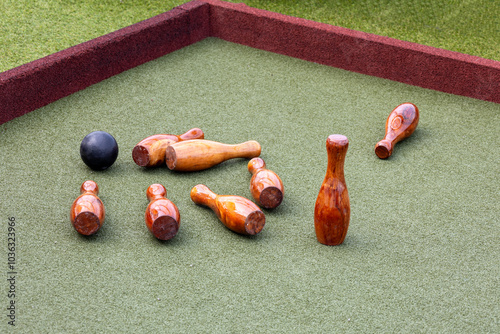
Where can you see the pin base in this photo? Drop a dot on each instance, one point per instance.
(271, 197)
(254, 223)
(140, 154)
(87, 223)
(165, 228)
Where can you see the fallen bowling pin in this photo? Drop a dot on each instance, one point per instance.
(150, 152)
(400, 124)
(237, 213)
(87, 212)
(266, 186)
(162, 216)
(195, 155)
(332, 209)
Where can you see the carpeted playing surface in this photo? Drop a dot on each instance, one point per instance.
(422, 250)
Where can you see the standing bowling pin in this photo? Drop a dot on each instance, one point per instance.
(400, 124)
(150, 151)
(162, 216)
(332, 210)
(237, 213)
(194, 155)
(266, 186)
(87, 212)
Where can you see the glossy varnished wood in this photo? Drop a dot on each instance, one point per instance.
(237, 213)
(150, 152)
(266, 186)
(400, 124)
(332, 209)
(87, 212)
(162, 215)
(196, 155)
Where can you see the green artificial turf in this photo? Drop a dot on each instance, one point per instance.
(32, 29)
(421, 254)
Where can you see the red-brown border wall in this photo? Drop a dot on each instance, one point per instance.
(36, 84)
(384, 57)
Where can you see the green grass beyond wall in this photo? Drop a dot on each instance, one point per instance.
(31, 29)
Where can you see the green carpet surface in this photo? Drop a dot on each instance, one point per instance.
(421, 255)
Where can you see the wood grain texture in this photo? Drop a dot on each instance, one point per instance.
(150, 152)
(266, 186)
(237, 213)
(400, 124)
(162, 215)
(195, 155)
(332, 209)
(87, 212)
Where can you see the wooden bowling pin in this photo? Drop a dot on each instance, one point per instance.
(162, 216)
(87, 212)
(237, 213)
(332, 209)
(266, 186)
(400, 124)
(195, 155)
(150, 151)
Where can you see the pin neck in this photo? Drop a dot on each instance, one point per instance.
(202, 195)
(89, 187)
(156, 196)
(156, 191)
(256, 165)
(336, 157)
(335, 169)
(194, 133)
(255, 170)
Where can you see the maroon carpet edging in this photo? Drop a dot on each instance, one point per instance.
(356, 51)
(43, 81)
